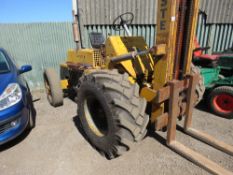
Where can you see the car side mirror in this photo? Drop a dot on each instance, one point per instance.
(25, 68)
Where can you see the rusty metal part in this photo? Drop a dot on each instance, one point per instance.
(173, 111)
(161, 122)
(190, 99)
(78, 66)
(155, 51)
(210, 140)
(76, 31)
(171, 133)
(128, 56)
(198, 159)
(173, 93)
(163, 94)
(179, 39)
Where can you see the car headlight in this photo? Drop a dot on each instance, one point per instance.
(11, 95)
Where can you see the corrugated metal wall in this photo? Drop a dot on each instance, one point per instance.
(40, 44)
(215, 30)
(148, 31)
(217, 36)
(99, 12)
(218, 11)
(103, 12)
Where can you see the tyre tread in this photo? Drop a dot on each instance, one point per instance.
(129, 106)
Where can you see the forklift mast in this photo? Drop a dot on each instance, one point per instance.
(173, 83)
(176, 26)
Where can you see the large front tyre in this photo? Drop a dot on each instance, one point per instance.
(111, 111)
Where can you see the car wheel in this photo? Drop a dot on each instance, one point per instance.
(221, 101)
(32, 113)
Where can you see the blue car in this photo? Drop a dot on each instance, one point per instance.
(15, 99)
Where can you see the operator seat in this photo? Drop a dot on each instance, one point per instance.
(204, 60)
(97, 39)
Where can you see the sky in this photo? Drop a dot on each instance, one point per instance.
(26, 11)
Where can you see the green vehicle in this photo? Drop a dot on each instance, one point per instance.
(217, 71)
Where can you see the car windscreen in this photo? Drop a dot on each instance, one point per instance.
(4, 65)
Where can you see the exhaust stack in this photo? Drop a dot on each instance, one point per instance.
(75, 24)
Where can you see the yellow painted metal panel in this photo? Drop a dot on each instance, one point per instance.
(194, 18)
(146, 62)
(166, 34)
(71, 55)
(64, 84)
(115, 47)
(148, 93)
(84, 56)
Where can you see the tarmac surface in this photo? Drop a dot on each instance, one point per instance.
(56, 147)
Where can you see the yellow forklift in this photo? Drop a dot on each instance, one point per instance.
(121, 85)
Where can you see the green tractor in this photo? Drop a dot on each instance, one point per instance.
(217, 71)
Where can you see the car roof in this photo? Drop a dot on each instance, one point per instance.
(3, 50)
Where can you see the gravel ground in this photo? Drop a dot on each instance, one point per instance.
(56, 147)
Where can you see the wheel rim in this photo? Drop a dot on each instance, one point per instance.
(223, 103)
(95, 116)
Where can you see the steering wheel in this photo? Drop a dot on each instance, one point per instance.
(125, 18)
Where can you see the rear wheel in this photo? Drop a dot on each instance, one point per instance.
(200, 88)
(111, 111)
(221, 101)
(53, 88)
